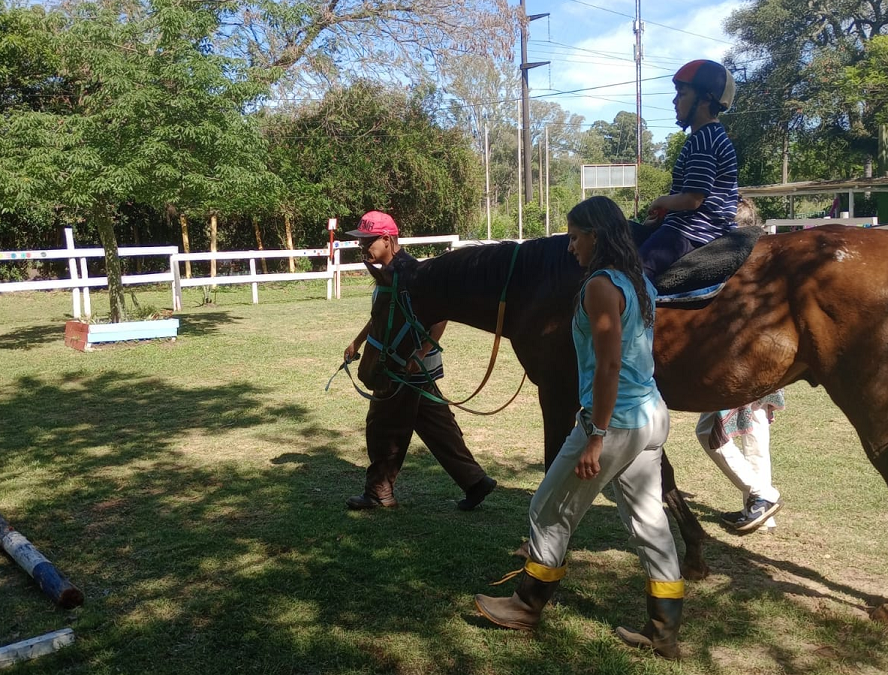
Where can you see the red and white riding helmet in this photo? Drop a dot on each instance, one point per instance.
(708, 77)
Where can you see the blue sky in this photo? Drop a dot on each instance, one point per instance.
(590, 46)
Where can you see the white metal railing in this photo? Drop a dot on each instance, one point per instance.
(80, 282)
(253, 278)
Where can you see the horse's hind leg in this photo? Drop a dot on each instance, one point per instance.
(878, 455)
(859, 386)
(694, 566)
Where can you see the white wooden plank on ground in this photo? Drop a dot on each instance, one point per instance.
(34, 647)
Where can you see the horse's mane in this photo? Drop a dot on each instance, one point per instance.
(543, 266)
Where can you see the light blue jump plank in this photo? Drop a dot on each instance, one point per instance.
(133, 330)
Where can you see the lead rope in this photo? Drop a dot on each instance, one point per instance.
(500, 320)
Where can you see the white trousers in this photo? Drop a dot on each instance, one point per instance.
(749, 466)
(631, 459)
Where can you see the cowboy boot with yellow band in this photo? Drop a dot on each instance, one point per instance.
(522, 611)
(664, 605)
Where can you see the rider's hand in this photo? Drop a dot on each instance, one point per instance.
(589, 466)
(350, 352)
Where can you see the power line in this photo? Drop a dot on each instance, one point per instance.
(653, 23)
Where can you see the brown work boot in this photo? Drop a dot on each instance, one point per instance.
(365, 501)
(522, 611)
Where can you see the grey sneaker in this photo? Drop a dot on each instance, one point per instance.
(757, 512)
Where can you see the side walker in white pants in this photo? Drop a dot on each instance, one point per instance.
(630, 461)
(748, 466)
(621, 428)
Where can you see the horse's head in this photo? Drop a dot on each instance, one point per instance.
(394, 333)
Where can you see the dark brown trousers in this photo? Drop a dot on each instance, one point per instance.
(390, 426)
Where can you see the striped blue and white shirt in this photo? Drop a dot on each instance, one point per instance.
(707, 164)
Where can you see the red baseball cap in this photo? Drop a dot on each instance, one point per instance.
(375, 224)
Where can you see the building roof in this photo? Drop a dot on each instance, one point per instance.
(813, 187)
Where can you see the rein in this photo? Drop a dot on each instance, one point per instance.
(417, 331)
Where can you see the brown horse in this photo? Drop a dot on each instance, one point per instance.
(809, 305)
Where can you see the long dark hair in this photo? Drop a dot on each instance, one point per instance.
(614, 246)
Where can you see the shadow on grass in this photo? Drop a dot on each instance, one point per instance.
(246, 567)
(203, 323)
(743, 558)
(32, 336)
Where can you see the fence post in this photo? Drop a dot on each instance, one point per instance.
(337, 274)
(72, 266)
(254, 284)
(331, 281)
(177, 284)
(84, 274)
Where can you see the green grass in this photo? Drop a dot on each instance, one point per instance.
(195, 491)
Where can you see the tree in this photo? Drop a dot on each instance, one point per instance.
(148, 112)
(790, 63)
(368, 146)
(322, 43)
(620, 139)
(674, 143)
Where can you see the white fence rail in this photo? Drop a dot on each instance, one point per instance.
(80, 282)
(253, 278)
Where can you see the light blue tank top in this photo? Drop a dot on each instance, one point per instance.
(637, 395)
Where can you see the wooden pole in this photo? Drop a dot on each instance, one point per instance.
(57, 587)
(186, 244)
(288, 233)
(259, 245)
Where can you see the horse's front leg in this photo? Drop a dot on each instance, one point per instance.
(694, 566)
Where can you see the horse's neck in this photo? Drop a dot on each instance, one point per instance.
(438, 296)
(467, 287)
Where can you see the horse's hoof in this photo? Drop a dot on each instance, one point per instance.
(880, 614)
(694, 572)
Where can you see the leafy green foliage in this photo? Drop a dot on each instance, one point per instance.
(370, 147)
(802, 69)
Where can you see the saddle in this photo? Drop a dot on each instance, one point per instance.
(701, 273)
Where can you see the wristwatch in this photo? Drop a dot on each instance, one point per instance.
(589, 426)
(592, 430)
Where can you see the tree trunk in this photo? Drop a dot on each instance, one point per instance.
(259, 244)
(214, 232)
(288, 232)
(186, 245)
(882, 162)
(105, 225)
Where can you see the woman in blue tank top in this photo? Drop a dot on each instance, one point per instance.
(618, 439)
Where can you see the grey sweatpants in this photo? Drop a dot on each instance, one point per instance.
(631, 459)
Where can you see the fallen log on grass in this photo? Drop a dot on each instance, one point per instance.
(51, 582)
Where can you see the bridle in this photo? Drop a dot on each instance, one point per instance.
(412, 327)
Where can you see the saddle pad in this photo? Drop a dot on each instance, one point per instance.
(690, 296)
(709, 265)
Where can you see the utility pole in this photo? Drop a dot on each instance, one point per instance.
(520, 220)
(547, 181)
(639, 29)
(525, 102)
(487, 176)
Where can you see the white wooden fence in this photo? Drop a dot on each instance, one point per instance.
(80, 282)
